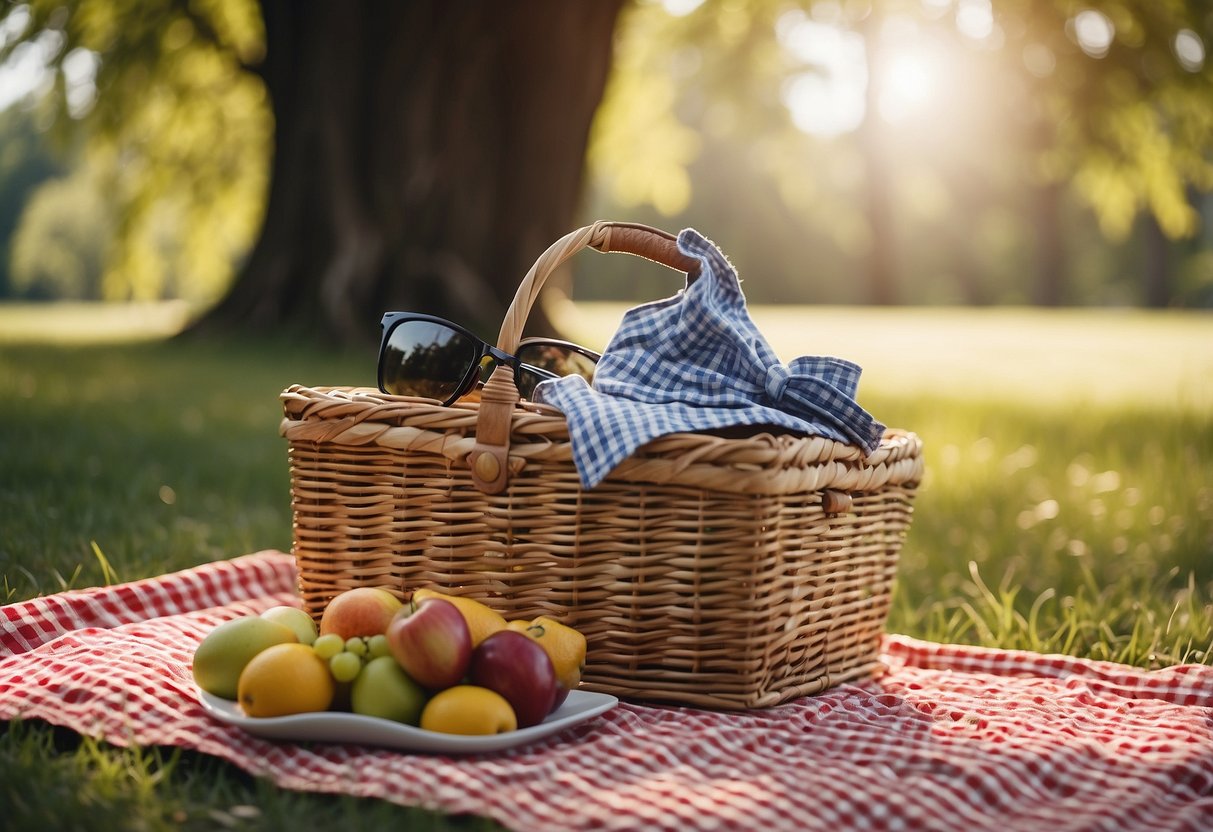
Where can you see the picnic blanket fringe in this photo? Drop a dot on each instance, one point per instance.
(951, 737)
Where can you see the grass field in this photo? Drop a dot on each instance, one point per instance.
(1068, 504)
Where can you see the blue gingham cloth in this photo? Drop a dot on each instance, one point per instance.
(697, 362)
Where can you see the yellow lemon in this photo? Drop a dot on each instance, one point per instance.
(565, 647)
(286, 679)
(468, 710)
(482, 620)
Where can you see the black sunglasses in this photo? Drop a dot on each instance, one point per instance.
(429, 357)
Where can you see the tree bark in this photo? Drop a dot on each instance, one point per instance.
(1156, 270)
(1050, 246)
(872, 137)
(425, 153)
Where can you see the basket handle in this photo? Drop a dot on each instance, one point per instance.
(490, 457)
(624, 237)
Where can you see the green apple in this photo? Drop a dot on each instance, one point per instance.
(384, 690)
(222, 655)
(295, 618)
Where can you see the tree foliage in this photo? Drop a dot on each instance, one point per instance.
(177, 125)
(1128, 120)
(61, 248)
(1031, 123)
(419, 154)
(25, 163)
(1057, 138)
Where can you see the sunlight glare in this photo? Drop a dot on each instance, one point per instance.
(824, 11)
(1094, 32)
(828, 98)
(1039, 60)
(80, 74)
(1190, 50)
(13, 25)
(936, 8)
(908, 83)
(25, 71)
(680, 8)
(975, 18)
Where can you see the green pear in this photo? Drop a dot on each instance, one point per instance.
(295, 618)
(225, 651)
(384, 690)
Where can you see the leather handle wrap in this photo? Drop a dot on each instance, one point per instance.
(626, 238)
(489, 459)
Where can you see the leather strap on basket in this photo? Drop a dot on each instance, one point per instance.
(489, 457)
(626, 238)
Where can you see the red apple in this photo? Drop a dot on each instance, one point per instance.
(432, 643)
(519, 669)
(364, 611)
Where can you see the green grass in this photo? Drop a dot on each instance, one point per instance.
(1068, 505)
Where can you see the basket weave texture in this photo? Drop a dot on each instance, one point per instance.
(705, 571)
(708, 570)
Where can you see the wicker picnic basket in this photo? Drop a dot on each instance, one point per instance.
(712, 571)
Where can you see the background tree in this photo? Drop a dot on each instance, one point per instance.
(1035, 119)
(425, 154)
(353, 158)
(25, 163)
(1116, 101)
(174, 130)
(421, 154)
(61, 248)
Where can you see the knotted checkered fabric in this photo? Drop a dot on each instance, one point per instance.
(697, 362)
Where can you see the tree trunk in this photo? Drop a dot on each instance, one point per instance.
(425, 154)
(872, 138)
(1156, 269)
(1050, 246)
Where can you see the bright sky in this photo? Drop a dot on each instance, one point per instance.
(827, 99)
(26, 69)
(17, 79)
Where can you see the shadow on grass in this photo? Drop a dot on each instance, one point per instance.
(52, 778)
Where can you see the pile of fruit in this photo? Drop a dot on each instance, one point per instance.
(440, 662)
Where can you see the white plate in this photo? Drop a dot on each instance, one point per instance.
(337, 726)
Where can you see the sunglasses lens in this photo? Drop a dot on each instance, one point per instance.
(527, 380)
(427, 359)
(557, 360)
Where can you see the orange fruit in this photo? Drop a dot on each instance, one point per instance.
(482, 620)
(564, 645)
(468, 710)
(286, 679)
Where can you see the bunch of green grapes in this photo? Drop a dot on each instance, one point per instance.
(346, 657)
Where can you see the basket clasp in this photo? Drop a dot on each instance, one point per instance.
(489, 459)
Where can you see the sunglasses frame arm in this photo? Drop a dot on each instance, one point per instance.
(556, 342)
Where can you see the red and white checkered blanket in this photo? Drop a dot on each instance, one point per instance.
(951, 737)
